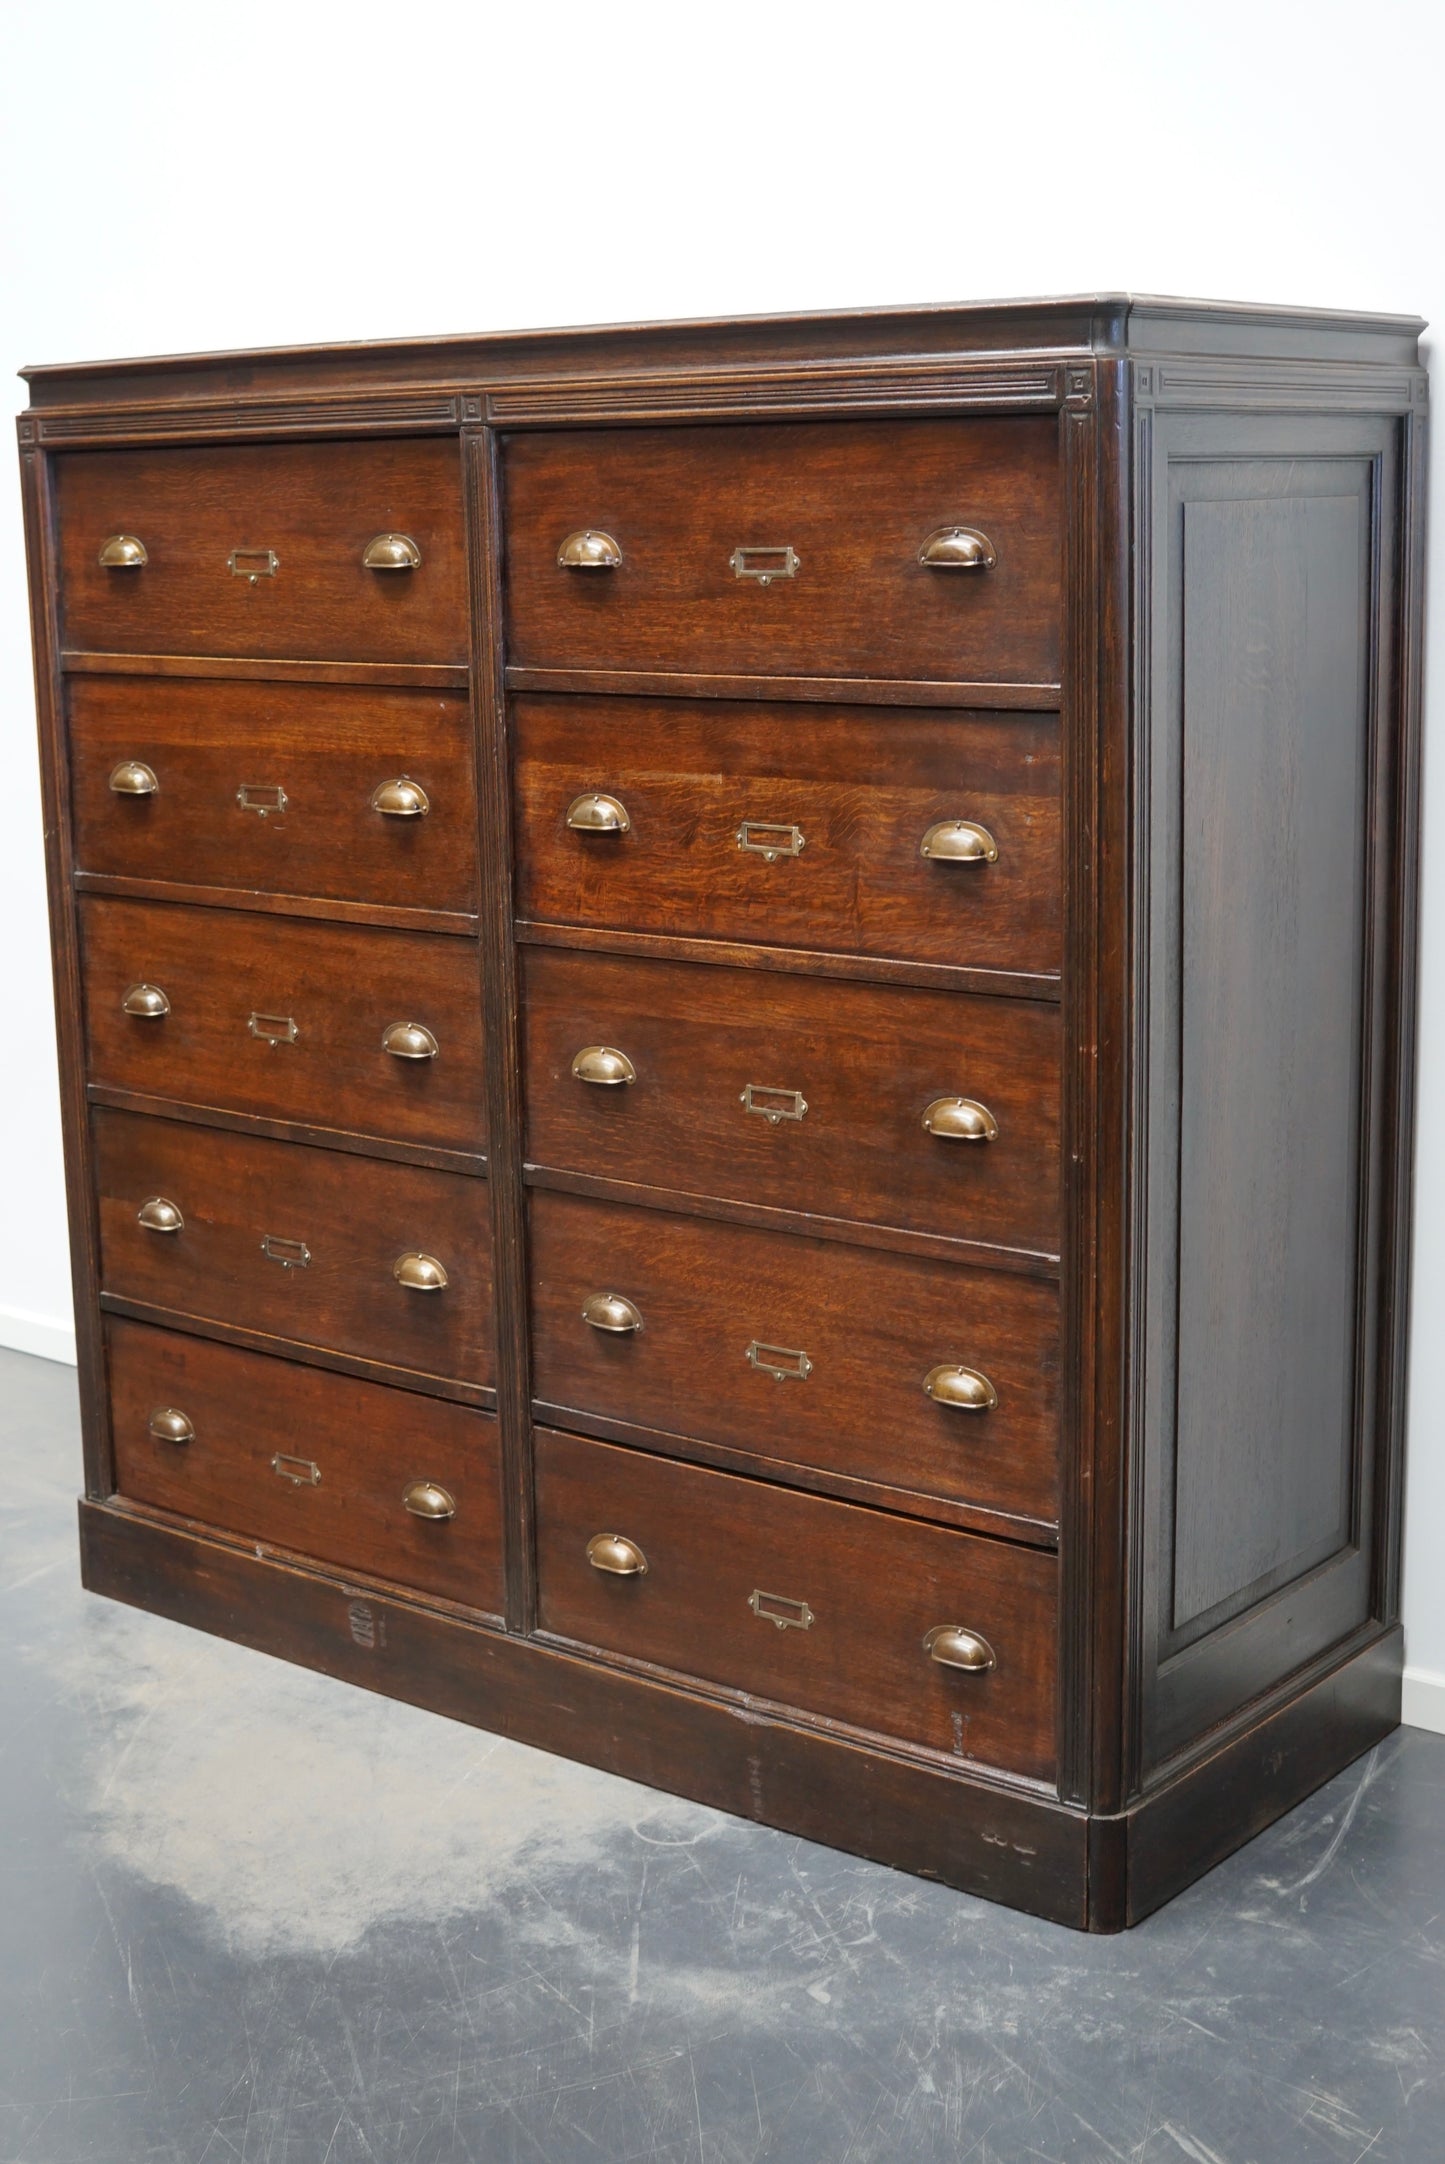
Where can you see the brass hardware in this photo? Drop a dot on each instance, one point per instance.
(291, 1254)
(953, 1646)
(597, 814)
(964, 1389)
(305, 1472)
(273, 1028)
(765, 563)
(169, 1425)
(253, 564)
(773, 1105)
(401, 799)
(158, 1215)
(782, 1609)
(146, 1000)
(617, 1555)
(419, 1273)
(261, 797)
(133, 778)
(601, 1064)
(122, 552)
(409, 1040)
(428, 1499)
(784, 1365)
(770, 842)
(958, 548)
(960, 1119)
(611, 1312)
(959, 841)
(391, 552)
(589, 551)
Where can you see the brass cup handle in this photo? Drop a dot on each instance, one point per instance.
(960, 1119)
(133, 778)
(603, 1065)
(595, 813)
(617, 1555)
(156, 1214)
(958, 548)
(965, 1390)
(428, 1499)
(611, 1312)
(419, 1273)
(409, 1040)
(400, 799)
(146, 1000)
(959, 841)
(168, 1424)
(122, 552)
(953, 1645)
(391, 552)
(589, 550)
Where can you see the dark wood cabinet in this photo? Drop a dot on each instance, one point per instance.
(737, 1025)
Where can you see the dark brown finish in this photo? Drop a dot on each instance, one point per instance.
(341, 988)
(841, 1601)
(335, 1230)
(873, 1327)
(313, 506)
(845, 795)
(866, 1060)
(325, 750)
(263, 1427)
(1186, 699)
(855, 501)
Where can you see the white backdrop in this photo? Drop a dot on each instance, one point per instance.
(178, 177)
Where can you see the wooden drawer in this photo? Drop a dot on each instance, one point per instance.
(273, 787)
(795, 825)
(807, 1602)
(855, 502)
(259, 550)
(847, 1071)
(286, 1020)
(805, 1352)
(313, 1462)
(297, 1243)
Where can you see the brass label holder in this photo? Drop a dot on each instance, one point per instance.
(273, 1028)
(780, 1361)
(763, 838)
(304, 1472)
(253, 564)
(780, 1608)
(765, 563)
(261, 797)
(291, 1254)
(773, 1105)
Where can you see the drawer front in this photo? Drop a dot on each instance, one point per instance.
(795, 826)
(309, 1461)
(830, 517)
(261, 550)
(811, 1603)
(799, 1093)
(302, 1244)
(286, 1019)
(918, 1375)
(282, 788)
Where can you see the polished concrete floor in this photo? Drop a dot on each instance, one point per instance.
(250, 1914)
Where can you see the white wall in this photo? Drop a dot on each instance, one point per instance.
(188, 176)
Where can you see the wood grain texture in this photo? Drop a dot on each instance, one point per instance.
(860, 787)
(314, 505)
(874, 1586)
(866, 1060)
(353, 1219)
(856, 500)
(342, 987)
(366, 1445)
(872, 1327)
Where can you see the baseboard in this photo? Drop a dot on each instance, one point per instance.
(21, 1331)
(1423, 1705)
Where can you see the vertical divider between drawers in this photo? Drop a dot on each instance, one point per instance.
(502, 1064)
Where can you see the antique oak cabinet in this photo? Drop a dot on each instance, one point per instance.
(736, 1008)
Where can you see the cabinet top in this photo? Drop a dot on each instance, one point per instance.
(1101, 323)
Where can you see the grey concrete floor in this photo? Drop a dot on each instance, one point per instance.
(248, 1913)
